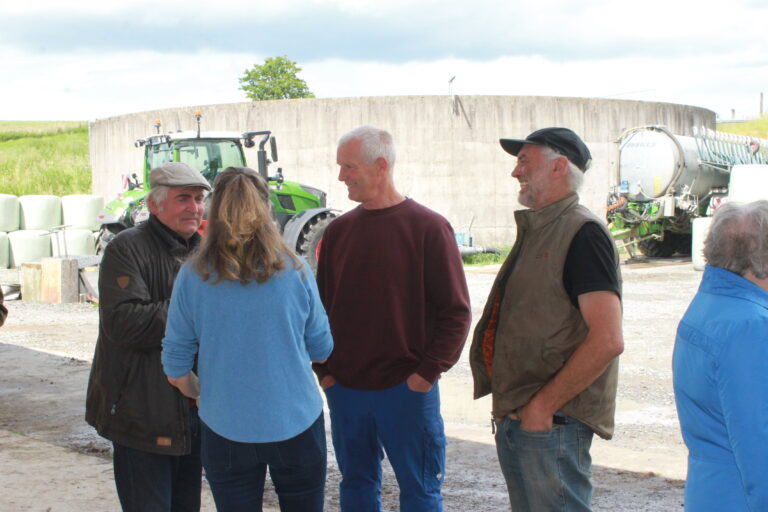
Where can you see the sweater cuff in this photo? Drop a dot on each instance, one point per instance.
(428, 372)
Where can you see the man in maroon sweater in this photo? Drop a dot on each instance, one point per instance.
(392, 282)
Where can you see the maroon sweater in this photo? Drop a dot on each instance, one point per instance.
(393, 285)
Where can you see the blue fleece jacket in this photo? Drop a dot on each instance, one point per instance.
(255, 344)
(720, 368)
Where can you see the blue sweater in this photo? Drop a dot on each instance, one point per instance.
(255, 344)
(720, 368)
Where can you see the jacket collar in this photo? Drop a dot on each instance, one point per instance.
(719, 281)
(536, 219)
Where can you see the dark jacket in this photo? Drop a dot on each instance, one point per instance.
(129, 399)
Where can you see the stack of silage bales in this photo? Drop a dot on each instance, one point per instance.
(30, 227)
(80, 215)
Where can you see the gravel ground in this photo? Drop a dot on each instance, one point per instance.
(50, 460)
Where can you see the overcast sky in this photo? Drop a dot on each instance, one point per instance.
(84, 59)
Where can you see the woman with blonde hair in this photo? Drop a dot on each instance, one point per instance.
(248, 309)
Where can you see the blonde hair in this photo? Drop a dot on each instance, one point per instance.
(242, 242)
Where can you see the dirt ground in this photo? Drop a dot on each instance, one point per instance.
(51, 461)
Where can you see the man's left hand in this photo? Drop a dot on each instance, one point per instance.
(418, 383)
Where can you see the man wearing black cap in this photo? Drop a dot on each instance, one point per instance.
(548, 341)
(152, 426)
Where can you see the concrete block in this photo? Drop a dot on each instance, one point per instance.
(59, 280)
(31, 275)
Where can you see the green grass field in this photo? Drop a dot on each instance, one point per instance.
(754, 128)
(44, 157)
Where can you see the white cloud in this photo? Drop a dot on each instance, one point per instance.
(110, 58)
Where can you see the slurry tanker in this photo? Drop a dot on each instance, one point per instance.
(665, 181)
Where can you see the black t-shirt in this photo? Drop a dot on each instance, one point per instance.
(589, 265)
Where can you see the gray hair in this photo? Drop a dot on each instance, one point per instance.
(738, 238)
(575, 175)
(374, 143)
(158, 194)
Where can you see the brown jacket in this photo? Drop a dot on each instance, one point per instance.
(538, 328)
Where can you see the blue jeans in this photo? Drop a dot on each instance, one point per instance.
(236, 471)
(405, 424)
(150, 482)
(548, 470)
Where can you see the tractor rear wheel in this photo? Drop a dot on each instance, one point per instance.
(311, 237)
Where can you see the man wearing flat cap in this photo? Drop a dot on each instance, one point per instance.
(547, 344)
(152, 426)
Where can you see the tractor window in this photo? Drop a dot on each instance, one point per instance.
(157, 155)
(197, 155)
(231, 154)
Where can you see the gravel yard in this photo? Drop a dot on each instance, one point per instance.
(50, 460)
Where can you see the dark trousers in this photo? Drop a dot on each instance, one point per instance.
(150, 482)
(236, 471)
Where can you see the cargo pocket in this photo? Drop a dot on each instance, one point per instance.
(434, 457)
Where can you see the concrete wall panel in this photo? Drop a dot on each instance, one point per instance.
(448, 156)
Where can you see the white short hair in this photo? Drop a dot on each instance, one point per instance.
(374, 143)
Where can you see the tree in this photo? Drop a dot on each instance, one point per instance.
(274, 80)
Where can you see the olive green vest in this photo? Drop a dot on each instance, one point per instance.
(538, 327)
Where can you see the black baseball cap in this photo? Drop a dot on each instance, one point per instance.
(562, 140)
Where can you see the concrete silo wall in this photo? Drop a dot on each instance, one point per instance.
(448, 156)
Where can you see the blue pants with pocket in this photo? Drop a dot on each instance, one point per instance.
(546, 470)
(407, 426)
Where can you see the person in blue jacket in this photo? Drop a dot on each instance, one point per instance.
(249, 310)
(720, 367)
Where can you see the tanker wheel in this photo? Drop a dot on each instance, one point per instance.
(655, 248)
(682, 243)
(311, 238)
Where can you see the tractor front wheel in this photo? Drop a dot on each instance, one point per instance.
(311, 238)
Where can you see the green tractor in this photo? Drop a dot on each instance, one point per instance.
(300, 211)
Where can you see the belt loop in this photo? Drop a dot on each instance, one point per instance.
(493, 424)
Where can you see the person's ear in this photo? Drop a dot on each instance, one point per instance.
(382, 166)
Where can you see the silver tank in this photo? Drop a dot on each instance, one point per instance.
(654, 162)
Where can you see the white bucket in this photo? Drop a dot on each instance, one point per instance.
(81, 211)
(78, 242)
(5, 250)
(40, 212)
(9, 212)
(748, 183)
(700, 230)
(29, 246)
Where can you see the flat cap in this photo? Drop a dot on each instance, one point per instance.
(562, 140)
(177, 174)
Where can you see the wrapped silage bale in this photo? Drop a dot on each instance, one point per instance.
(81, 211)
(29, 246)
(5, 250)
(40, 212)
(9, 212)
(72, 242)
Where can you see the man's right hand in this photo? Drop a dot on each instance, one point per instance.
(327, 381)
